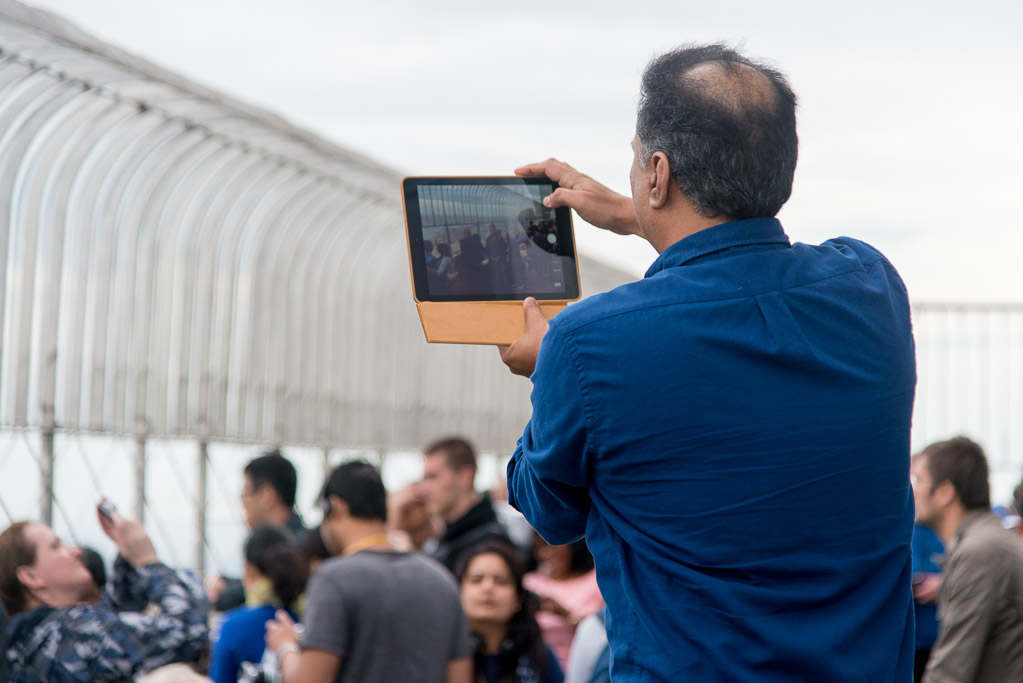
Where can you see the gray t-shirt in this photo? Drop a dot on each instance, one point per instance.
(389, 616)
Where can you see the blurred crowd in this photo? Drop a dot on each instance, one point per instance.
(433, 582)
(489, 260)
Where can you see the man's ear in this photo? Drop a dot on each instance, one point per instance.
(467, 477)
(338, 508)
(268, 496)
(945, 494)
(29, 578)
(660, 180)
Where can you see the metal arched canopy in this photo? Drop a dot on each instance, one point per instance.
(178, 263)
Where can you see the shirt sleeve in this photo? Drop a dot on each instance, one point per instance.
(548, 475)
(461, 647)
(126, 643)
(554, 672)
(325, 620)
(970, 598)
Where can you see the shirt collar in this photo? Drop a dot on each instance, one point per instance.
(718, 238)
(970, 520)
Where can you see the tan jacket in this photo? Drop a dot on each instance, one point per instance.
(980, 606)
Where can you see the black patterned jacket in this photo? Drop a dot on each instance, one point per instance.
(149, 617)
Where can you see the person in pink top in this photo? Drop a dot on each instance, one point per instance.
(566, 584)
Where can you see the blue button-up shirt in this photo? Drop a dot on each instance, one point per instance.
(731, 433)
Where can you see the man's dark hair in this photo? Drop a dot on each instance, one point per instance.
(274, 470)
(961, 462)
(359, 485)
(728, 130)
(457, 452)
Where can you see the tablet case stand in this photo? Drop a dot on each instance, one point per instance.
(477, 322)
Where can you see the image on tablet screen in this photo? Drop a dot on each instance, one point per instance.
(491, 240)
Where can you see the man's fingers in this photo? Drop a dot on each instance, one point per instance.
(283, 617)
(530, 170)
(552, 168)
(562, 196)
(534, 315)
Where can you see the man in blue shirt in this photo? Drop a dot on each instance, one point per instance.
(730, 433)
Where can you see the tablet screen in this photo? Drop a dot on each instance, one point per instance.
(488, 239)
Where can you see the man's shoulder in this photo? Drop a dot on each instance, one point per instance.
(700, 283)
(370, 565)
(988, 546)
(623, 299)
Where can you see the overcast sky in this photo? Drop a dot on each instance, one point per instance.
(908, 120)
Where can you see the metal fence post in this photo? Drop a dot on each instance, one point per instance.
(140, 477)
(46, 475)
(200, 521)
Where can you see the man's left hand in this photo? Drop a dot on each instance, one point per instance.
(520, 355)
(927, 590)
(280, 631)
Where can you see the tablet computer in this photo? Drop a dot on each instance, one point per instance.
(486, 240)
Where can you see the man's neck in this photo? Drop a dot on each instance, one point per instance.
(468, 502)
(279, 516)
(669, 227)
(362, 535)
(950, 522)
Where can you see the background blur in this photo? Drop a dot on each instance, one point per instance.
(909, 138)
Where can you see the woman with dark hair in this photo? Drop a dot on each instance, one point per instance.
(501, 614)
(274, 578)
(566, 583)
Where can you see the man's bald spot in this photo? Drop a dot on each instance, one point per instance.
(736, 88)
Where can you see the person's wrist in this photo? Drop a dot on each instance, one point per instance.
(142, 560)
(627, 224)
(286, 649)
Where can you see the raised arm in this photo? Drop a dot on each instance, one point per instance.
(596, 204)
(548, 475)
(175, 631)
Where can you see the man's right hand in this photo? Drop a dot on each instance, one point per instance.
(520, 355)
(596, 204)
(131, 539)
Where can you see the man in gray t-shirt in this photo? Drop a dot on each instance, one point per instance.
(373, 614)
(389, 616)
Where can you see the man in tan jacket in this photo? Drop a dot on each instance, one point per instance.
(980, 603)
